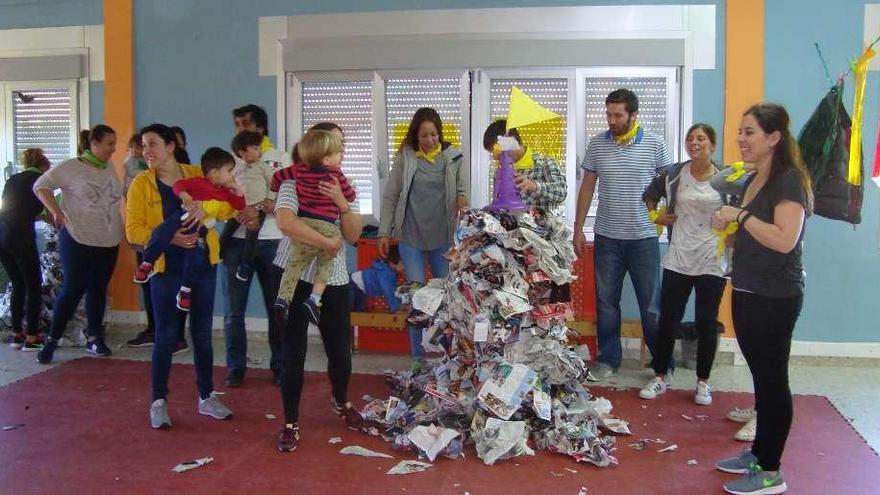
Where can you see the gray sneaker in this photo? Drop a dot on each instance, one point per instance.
(757, 482)
(739, 464)
(600, 372)
(214, 408)
(159, 418)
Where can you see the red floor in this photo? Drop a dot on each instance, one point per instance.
(86, 431)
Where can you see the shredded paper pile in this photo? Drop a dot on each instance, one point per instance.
(510, 379)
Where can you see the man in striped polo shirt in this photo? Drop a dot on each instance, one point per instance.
(623, 160)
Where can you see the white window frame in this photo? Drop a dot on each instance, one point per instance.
(480, 117)
(78, 114)
(673, 125)
(294, 123)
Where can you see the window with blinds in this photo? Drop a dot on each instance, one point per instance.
(652, 95)
(405, 95)
(43, 118)
(547, 138)
(349, 104)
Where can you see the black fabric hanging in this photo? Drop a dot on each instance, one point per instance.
(824, 142)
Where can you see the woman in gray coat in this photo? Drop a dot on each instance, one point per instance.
(427, 188)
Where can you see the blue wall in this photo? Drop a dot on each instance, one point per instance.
(842, 263)
(49, 13)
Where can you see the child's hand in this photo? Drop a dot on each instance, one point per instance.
(186, 199)
(236, 188)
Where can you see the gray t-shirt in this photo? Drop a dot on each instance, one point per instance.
(762, 270)
(425, 225)
(89, 200)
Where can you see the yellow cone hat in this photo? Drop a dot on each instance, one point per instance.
(524, 110)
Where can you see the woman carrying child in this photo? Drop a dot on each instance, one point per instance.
(151, 200)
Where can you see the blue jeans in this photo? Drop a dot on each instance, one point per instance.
(237, 293)
(86, 270)
(414, 265)
(160, 239)
(163, 291)
(613, 259)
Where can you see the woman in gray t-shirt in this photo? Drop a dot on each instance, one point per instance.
(427, 188)
(768, 284)
(90, 229)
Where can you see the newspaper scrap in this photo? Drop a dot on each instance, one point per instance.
(335, 440)
(671, 448)
(686, 417)
(431, 440)
(409, 467)
(583, 491)
(501, 440)
(13, 427)
(270, 416)
(361, 451)
(692, 462)
(186, 466)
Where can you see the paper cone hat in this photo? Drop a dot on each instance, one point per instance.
(524, 110)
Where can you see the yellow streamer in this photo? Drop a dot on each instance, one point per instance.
(629, 135)
(860, 73)
(655, 214)
(731, 228)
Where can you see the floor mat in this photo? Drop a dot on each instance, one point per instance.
(86, 430)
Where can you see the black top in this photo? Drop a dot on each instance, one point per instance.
(762, 270)
(20, 205)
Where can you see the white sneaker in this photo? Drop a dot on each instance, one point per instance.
(703, 396)
(654, 388)
(741, 415)
(747, 432)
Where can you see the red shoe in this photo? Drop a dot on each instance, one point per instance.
(183, 298)
(143, 273)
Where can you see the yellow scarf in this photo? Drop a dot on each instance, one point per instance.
(656, 213)
(429, 156)
(266, 144)
(738, 171)
(628, 136)
(722, 237)
(525, 162)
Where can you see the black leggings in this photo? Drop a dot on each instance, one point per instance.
(764, 326)
(335, 326)
(18, 254)
(674, 294)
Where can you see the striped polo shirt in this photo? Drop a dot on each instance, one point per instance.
(624, 171)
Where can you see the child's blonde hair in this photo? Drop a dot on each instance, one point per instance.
(316, 144)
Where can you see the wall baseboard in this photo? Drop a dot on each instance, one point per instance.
(869, 350)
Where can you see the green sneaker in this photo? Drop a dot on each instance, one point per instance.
(757, 482)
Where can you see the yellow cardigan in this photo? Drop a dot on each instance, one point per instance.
(143, 213)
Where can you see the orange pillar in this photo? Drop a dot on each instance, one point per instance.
(119, 114)
(743, 87)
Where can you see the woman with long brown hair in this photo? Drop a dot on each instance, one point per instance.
(768, 283)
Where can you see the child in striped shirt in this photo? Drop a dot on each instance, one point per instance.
(321, 152)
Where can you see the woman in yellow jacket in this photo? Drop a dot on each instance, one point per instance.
(150, 201)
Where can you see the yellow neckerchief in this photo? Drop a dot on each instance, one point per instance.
(739, 169)
(525, 162)
(722, 237)
(266, 144)
(656, 213)
(431, 155)
(628, 136)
